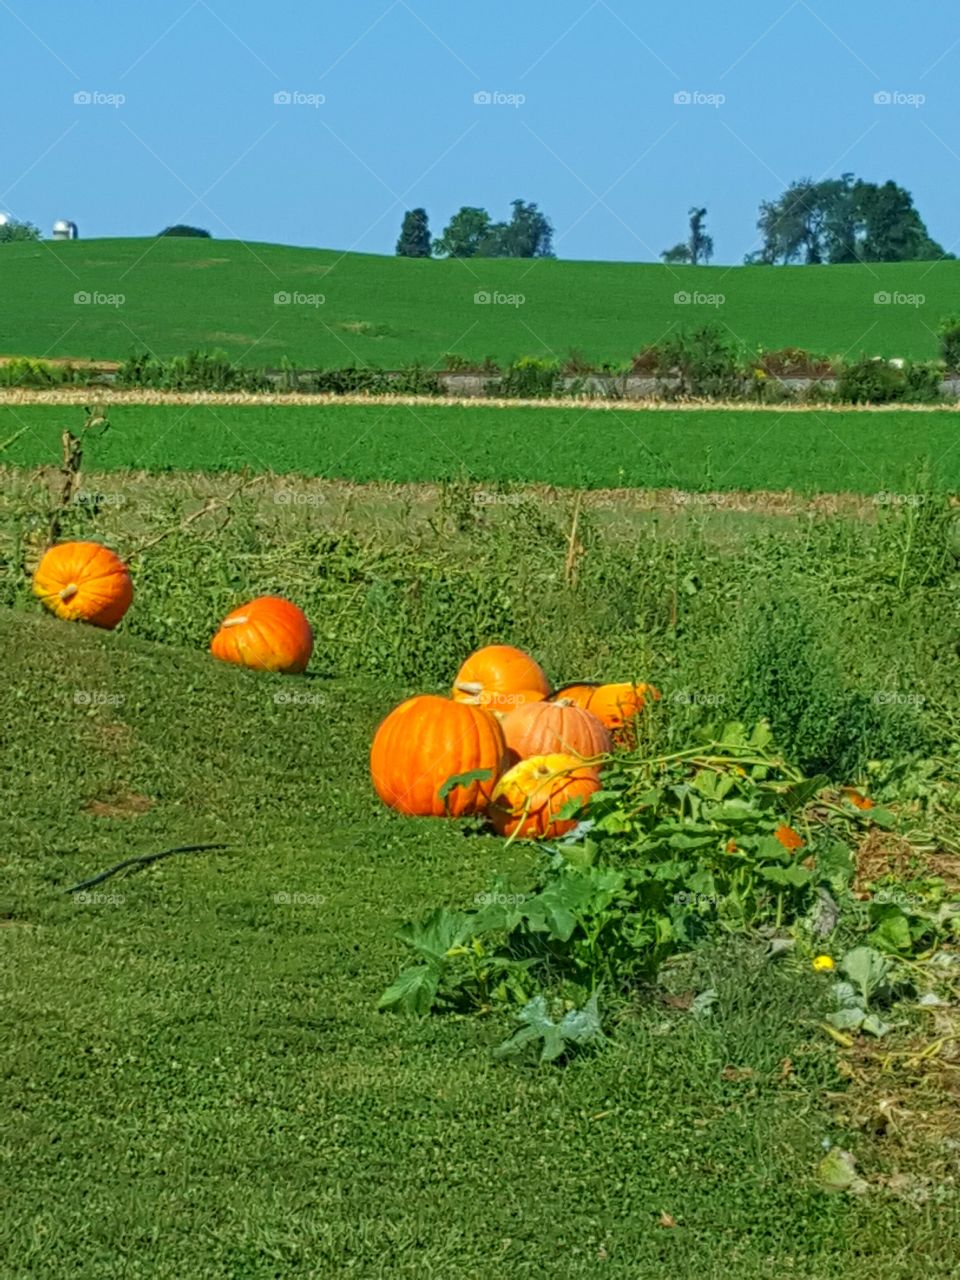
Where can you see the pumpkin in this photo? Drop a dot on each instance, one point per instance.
(428, 740)
(84, 582)
(529, 796)
(544, 728)
(498, 669)
(613, 704)
(501, 704)
(268, 634)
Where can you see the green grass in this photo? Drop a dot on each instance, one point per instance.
(809, 452)
(198, 1082)
(182, 294)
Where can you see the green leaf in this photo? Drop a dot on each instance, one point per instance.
(795, 875)
(413, 991)
(892, 932)
(464, 780)
(437, 933)
(867, 969)
(801, 793)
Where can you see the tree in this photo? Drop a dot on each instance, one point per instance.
(11, 230)
(697, 248)
(414, 239)
(471, 234)
(678, 254)
(464, 233)
(843, 220)
(528, 234)
(181, 230)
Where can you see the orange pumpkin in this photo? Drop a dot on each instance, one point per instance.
(498, 669)
(84, 582)
(268, 634)
(529, 796)
(545, 728)
(501, 704)
(428, 740)
(613, 704)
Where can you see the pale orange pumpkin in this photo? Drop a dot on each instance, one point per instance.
(501, 704)
(530, 796)
(268, 634)
(545, 728)
(426, 741)
(84, 582)
(498, 669)
(613, 704)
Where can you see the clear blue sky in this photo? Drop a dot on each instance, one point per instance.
(599, 141)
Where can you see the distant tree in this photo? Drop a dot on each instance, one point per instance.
(697, 248)
(12, 230)
(471, 234)
(843, 220)
(701, 244)
(678, 254)
(528, 234)
(181, 230)
(414, 239)
(464, 234)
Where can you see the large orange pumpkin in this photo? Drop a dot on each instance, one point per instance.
(613, 704)
(529, 796)
(428, 740)
(498, 669)
(84, 582)
(268, 634)
(544, 728)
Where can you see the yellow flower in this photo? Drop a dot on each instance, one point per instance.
(823, 964)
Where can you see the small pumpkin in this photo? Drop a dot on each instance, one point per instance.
(268, 634)
(84, 582)
(423, 743)
(613, 704)
(530, 796)
(545, 728)
(499, 669)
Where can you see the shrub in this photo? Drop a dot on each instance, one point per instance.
(704, 363)
(530, 378)
(196, 371)
(875, 381)
(949, 334)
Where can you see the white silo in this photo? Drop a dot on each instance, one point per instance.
(63, 230)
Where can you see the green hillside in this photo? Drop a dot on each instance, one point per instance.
(182, 294)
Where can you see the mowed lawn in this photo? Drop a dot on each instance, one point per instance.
(198, 1082)
(809, 452)
(171, 295)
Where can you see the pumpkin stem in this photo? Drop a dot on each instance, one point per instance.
(469, 686)
(562, 702)
(234, 622)
(68, 592)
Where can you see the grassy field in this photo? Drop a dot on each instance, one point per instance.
(183, 294)
(809, 452)
(200, 1084)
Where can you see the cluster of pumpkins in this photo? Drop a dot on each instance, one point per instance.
(503, 744)
(87, 582)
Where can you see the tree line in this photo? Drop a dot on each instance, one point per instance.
(471, 233)
(837, 220)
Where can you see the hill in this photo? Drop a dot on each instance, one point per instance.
(179, 294)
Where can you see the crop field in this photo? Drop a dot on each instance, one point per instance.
(692, 450)
(170, 296)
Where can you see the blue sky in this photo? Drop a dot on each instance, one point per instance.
(584, 119)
